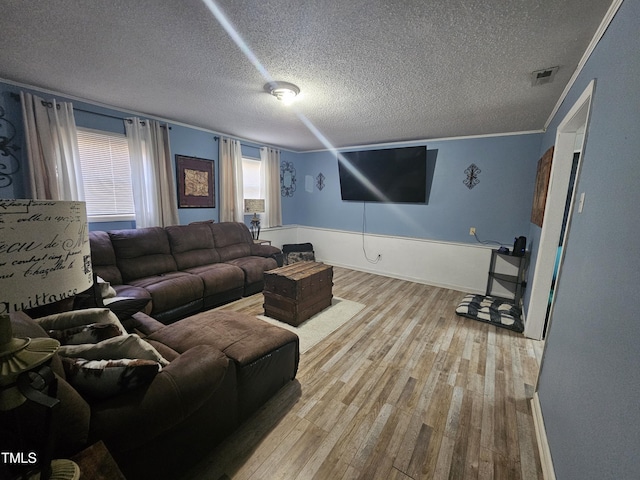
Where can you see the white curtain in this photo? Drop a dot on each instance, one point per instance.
(270, 158)
(55, 172)
(153, 181)
(231, 192)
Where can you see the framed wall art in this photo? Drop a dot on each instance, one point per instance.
(542, 185)
(196, 182)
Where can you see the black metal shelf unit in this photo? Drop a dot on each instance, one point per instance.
(517, 282)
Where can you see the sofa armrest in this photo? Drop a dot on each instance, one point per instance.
(261, 250)
(142, 324)
(133, 419)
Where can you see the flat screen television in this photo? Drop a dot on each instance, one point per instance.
(394, 175)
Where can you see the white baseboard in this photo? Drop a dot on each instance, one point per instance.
(404, 277)
(541, 436)
(457, 266)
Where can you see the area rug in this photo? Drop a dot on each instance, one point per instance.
(495, 311)
(319, 326)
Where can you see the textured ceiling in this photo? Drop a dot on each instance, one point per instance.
(370, 71)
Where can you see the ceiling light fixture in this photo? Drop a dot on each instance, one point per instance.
(283, 91)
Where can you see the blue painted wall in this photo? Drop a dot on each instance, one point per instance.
(589, 384)
(191, 142)
(184, 140)
(499, 206)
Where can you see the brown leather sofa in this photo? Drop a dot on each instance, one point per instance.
(182, 269)
(223, 367)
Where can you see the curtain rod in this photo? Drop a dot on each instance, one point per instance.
(50, 105)
(112, 116)
(217, 138)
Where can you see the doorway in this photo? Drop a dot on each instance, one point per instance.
(567, 212)
(548, 266)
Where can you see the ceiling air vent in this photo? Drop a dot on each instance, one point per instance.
(540, 77)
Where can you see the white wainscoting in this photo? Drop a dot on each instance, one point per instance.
(457, 266)
(280, 235)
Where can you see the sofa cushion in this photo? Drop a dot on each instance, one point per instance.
(99, 379)
(254, 268)
(239, 336)
(233, 251)
(103, 257)
(232, 240)
(143, 325)
(124, 346)
(171, 290)
(112, 366)
(69, 321)
(167, 352)
(93, 333)
(219, 277)
(262, 250)
(192, 245)
(142, 253)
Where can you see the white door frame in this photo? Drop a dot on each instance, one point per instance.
(575, 120)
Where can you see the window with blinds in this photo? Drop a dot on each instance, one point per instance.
(251, 177)
(107, 175)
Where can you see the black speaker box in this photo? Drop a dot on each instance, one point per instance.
(519, 246)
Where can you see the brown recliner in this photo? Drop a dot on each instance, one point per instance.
(144, 259)
(103, 260)
(194, 251)
(235, 245)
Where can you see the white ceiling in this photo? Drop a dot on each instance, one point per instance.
(370, 71)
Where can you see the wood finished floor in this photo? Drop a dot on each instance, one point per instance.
(405, 390)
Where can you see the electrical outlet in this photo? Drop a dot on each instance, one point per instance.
(472, 231)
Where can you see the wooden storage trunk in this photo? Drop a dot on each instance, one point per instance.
(298, 291)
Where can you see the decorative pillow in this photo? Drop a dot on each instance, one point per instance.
(79, 318)
(94, 333)
(105, 378)
(124, 346)
(124, 307)
(294, 257)
(105, 288)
